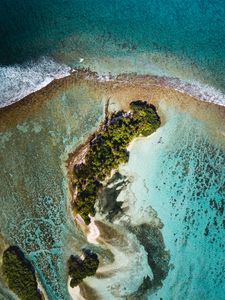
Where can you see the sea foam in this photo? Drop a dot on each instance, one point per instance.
(18, 81)
(201, 91)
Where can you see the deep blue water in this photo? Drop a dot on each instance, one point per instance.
(189, 30)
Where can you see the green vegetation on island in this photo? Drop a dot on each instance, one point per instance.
(20, 274)
(108, 150)
(79, 269)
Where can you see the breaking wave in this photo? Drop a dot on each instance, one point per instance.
(18, 81)
(196, 89)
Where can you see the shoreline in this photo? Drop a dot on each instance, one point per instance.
(74, 293)
(121, 90)
(41, 288)
(141, 122)
(78, 155)
(199, 91)
(108, 149)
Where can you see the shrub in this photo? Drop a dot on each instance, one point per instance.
(108, 150)
(79, 269)
(20, 274)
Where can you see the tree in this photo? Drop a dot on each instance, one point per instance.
(20, 274)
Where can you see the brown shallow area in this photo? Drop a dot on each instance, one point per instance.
(121, 90)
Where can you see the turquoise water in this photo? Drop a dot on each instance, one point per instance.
(187, 29)
(181, 170)
(183, 39)
(181, 175)
(34, 195)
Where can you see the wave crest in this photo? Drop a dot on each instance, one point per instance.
(18, 81)
(196, 89)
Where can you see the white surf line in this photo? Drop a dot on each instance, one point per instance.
(201, 91)
(18, 81)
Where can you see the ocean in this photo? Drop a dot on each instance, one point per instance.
(34, 194)
(183, 39)
(176, 177)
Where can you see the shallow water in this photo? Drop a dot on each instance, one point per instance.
(178, 172)
(34, 188)
(181, 175)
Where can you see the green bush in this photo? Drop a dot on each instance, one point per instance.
(108, 150)
(79, 269)
(20, 274)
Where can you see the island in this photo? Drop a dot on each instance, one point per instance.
(107, 150)
(104, 152)
(80, 268)
(20, 274)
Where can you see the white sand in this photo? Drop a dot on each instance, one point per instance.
(93, 232)
(74, 292)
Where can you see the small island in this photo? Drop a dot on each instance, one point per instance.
(81, 268)
(107, 150)
(20, 274)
